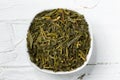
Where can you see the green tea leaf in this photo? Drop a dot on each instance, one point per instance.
(58, 40)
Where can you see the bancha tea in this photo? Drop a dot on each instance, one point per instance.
(58, 40)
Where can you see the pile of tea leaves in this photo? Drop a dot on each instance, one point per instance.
(58, 40)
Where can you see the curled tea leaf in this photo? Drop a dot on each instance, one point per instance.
(58, 40)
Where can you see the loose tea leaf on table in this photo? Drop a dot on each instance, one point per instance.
(58, 40)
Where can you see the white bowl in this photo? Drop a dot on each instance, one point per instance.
(75, 70)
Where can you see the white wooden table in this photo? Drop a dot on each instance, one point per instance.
(104, 20)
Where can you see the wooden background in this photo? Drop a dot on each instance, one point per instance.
(103, 18)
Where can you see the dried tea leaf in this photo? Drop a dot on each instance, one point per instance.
(30, 39)
(58, 40)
